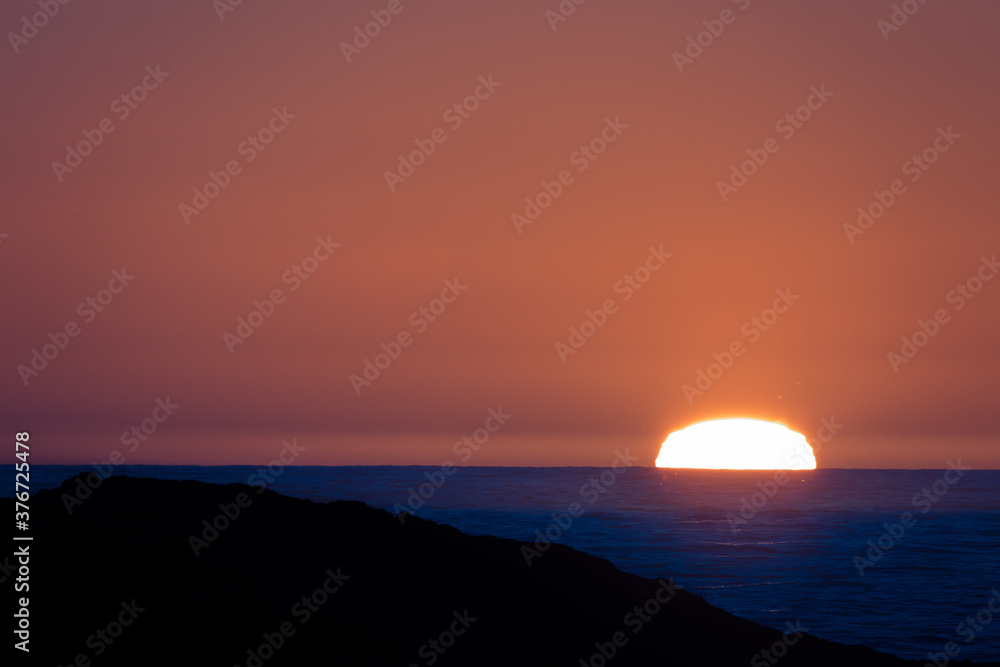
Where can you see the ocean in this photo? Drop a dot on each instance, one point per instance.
(903, 561)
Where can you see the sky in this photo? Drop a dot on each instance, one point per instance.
(618, 220)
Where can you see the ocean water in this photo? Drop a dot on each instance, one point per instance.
(793, 559)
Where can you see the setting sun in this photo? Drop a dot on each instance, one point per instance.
(736, 444)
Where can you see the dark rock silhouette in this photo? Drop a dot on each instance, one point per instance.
(294, 582)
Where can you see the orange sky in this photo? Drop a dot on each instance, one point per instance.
(544, 94)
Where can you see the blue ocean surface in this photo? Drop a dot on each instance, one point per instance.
(792, 559)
